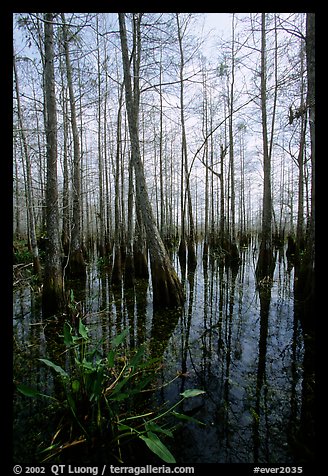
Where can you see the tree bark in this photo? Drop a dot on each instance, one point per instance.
(117, 272)
(76, 265)
(192, 259)
(101, 231)
(305, 266)
(310, 62)
(167, 289)
(31, 214)
(129, 274)
(65, 236)
(232, 254)
(53, 289)
(300, 163)
(265, 259)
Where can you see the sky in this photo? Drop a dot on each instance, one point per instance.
(219, 21)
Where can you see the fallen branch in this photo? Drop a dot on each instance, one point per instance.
(21, 266)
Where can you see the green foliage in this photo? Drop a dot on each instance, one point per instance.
(157, 447)
(100, 395)
(104, 261)
(22, 254)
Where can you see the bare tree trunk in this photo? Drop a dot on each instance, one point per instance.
(53, 290)
(31, 214)
(231, 136)
(167, 289)
(101, 239)
(129, 262)
(304, 266)
(192, 260)
(300, 163)
(76, 260)
(304, 281)
(223, 152)
(162, 219)
(310, 60)
(232, 253)
(17, 233)
(265, 260)
(41, 165)
(117, 272)
(65, 236)
(243, 231)
(108, 205)
(205, 134)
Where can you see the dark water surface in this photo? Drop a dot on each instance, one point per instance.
(245, 347)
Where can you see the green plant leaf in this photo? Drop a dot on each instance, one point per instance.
(27, 391)
(193, 392)
(31, 392)
(57, 368)
(75, 385)
(137, 357)
(123, 427)
(83, 330)
(71, 296)
(87, 365)
(152, 426)
(71, 403)
(182, 416)
(119, 338)
(121, 396)
(157, 447)
(68, 339)
(111, 358)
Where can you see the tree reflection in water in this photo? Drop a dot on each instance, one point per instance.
(246, 346)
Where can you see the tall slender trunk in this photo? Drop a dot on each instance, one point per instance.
(76, 260)
(117, 272)
(65, 236)
(41, 167)
(101, 239)
(267, 201)
(265, 260)
(223, 152)
(231, 137)
(304, 279)
(300, 207)
(161, 186)
(31, 213)
(205, 133)
(233, 253)
(53, 288)
(167, 289)
(305, 265)
(17, 202)
(129, 274)
(310, 61)
(192, 260)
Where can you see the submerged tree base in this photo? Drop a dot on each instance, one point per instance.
(129, 274)
(231, 254)
(182, 253)
(117, 271)
(265, 263)
(140, 263)
(53, 299)
(167, 289)
(192, 258)
(76, 267)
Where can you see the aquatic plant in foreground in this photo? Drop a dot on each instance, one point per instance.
(100, 397)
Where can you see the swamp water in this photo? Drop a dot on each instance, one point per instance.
(246, 349)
